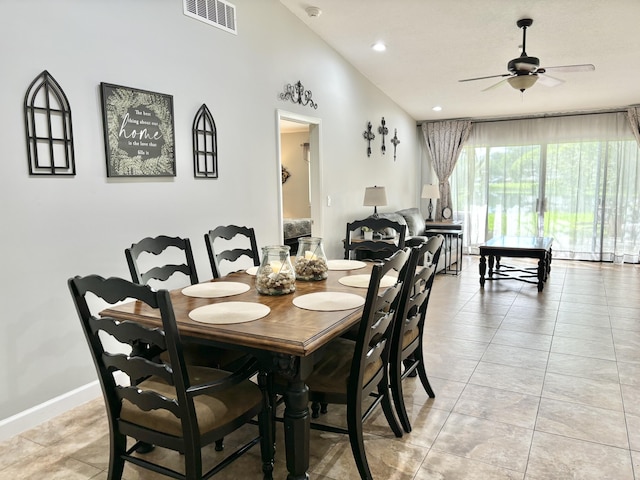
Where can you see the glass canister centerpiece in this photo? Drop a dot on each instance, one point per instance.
(275, 276)
(311, 262)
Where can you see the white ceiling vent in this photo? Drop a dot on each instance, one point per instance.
(218, 13)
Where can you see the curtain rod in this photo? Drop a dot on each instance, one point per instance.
(531, 117)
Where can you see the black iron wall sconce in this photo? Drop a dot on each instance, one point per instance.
(297, 94)
(368, 136)
(383, 130)
(395, 142)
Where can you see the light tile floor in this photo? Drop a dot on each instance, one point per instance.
(530, 386)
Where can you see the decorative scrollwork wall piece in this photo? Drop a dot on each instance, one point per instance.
(368, 136)
(395, 142)
(297, 94)
(48, 128)
(383, 130)
(205, 144)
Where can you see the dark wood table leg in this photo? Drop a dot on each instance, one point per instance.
(492, 259)
(542, 272)
(296, 430)
(483, 269)
(296, 413)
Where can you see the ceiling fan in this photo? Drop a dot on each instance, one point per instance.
(525, 71)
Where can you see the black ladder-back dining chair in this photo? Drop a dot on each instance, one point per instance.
(407, 344)
(350, 371)
(158, 274)
(157, 246)
(176, 406)
(230, 232)
(381, 248)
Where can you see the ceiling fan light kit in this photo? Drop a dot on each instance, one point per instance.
(522, 82)
(525, 71)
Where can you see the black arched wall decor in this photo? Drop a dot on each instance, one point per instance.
(48, 128)
(205, 144)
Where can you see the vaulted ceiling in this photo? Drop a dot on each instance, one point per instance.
(431, 44)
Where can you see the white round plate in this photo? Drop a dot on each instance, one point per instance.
(328, 301)
(229, 312)
(215, 289)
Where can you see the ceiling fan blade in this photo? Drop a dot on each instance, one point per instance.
(587, 67)
(548, 80)
(482, 78)
(495, 85)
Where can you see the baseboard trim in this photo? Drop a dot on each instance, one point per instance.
(23, 421)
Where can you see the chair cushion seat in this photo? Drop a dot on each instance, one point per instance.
(409, 336)
(212, 411)
(331, 373)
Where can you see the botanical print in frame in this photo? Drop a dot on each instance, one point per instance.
(138, 132)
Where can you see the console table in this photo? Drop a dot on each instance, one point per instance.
(443, 225)
(527, 247)
(449, 235)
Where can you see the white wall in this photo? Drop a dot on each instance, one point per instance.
(54, 228)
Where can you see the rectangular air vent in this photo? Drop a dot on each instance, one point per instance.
(218, 13)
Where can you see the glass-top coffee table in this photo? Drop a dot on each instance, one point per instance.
(522, 247)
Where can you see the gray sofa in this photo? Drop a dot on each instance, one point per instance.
(416, 226)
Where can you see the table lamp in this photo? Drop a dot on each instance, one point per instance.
(375, 197)
(430, 191)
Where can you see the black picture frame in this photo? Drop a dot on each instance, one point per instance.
(139, 134)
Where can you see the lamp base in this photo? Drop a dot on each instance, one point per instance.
(430, 210)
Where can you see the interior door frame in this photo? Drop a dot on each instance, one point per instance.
(315, 170)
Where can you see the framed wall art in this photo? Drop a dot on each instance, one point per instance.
(138, 132)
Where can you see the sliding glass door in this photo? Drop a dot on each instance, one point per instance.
(576, 180)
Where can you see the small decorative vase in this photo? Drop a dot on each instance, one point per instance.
(368, 235)
(311, 262)
(275, 276)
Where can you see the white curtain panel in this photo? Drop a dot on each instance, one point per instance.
(444, 142)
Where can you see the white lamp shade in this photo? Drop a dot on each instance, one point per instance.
(430, 191)
(375, 197)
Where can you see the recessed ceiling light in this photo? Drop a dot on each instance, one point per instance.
(313, 12)
(437, 108)
(379, 47)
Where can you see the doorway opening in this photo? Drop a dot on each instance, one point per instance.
(299, 167)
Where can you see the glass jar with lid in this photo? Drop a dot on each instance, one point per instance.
(276, 276)
(311, 262)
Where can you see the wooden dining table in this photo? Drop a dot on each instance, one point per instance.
(287, 341)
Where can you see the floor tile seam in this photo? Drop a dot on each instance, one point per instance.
(474, 460)
(497, 342)
(584, 377)
(626, 426)
(452, 336)
(574, 337)
(584, 404)
(592, 442)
